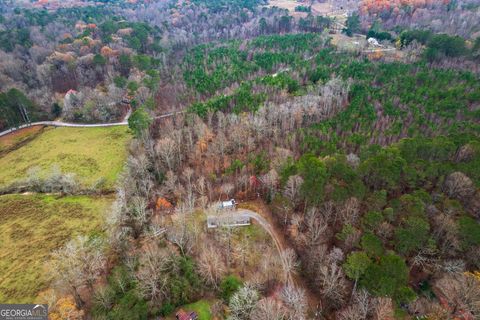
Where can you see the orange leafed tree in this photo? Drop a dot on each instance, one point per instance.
(107, 52)
(163, 204)
(65, 309)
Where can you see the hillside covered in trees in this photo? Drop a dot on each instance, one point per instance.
(370, 168)
(455, 17)
(356, 161)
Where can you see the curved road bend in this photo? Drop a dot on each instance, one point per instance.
(270, 230)
(291, 279)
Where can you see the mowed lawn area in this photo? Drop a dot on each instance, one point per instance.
(90, 153)
(31, 227)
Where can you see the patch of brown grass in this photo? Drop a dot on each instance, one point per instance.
(31, 227)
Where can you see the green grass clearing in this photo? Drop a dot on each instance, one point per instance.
(90, 153)
(255, 233)
(31, 227)
(201, 307)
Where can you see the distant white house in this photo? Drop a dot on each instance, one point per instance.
(70, 93)
(228, 205)
(374, 42)
(71, 101)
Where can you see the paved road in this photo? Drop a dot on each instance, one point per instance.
(62, 124)
(82, 125)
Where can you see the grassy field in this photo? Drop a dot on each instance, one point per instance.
(90, 153)
(11, 140)
(31, 226)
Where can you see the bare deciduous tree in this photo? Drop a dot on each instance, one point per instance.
(270, 181)
(211, 266)
(328, 212)
(153, 264)
(270, 267)
(290, 263)
(383, 309)
(316, 227)
(139, 213)
(296, 302)
(335, 255)
(350, 211)
(79, 263)
(243, 302)
(457, 185)
(363, 300)
(201, 187)
(137, 176)
(351, 312)
(182, 237)
(170, 183)
(462, 291)
(167, 149)
(227, 189)
(445, 231)
(292, 188)
(332, 283)
(268, 308)
(454, 266)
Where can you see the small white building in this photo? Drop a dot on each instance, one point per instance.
(71, 101)
(228, 205)
(70, 94)
(373, 42)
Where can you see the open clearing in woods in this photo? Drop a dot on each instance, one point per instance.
(31, 227)
(90, 153)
